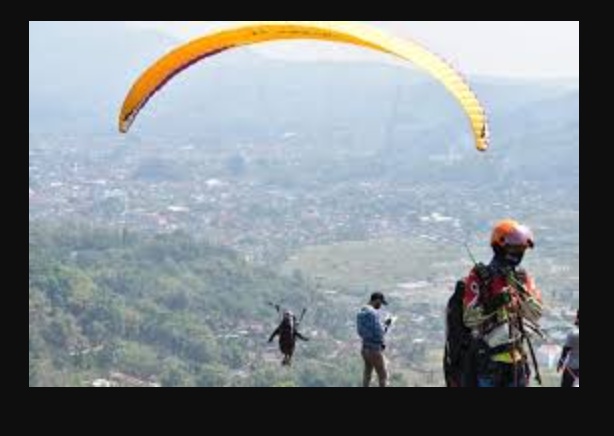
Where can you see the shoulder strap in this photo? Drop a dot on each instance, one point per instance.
(485, 275)
(484, 272)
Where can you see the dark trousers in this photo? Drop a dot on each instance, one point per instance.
(568, 378)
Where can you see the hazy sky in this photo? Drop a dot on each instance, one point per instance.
(501, 48)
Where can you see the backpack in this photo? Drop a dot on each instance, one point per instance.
(458, 361)
(287, 334)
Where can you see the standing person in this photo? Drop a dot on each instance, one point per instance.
(501, 304)
(569, 362)
(372, 332)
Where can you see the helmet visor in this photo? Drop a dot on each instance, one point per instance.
(520, 236)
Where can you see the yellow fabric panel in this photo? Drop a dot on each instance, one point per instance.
(156, 76)
(508, 357)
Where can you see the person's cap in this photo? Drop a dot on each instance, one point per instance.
(379, 296)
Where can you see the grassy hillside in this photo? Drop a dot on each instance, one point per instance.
(167, 309)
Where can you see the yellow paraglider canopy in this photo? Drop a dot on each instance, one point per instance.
(157, 75)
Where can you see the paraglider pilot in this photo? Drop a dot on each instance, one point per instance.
(287, 332)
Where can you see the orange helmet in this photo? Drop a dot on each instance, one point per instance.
(510, 233)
